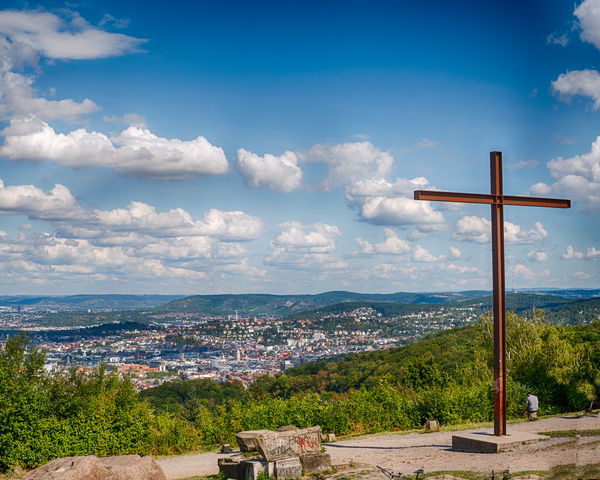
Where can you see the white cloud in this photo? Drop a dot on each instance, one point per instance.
(24, 35)
(588, 13)
(473, 229)
(566, 140)
(521, 164)
(571, 253)
(537, 256)
(554, 39)
(451, 267)
(172, 242)
(455, 253)
(478, 229)
(349, 163)
(392, 245)
(57, 38)
(317, 238)
(132, 119)
(514, 234)
(578, 82)
(400, 211)
(421, 254)
(426, 143)
(276, 173)
(28, 200)
(47, 259)
(540, 189)
(582, 275)
(525, 272)
(135, 152)
(381, 202)
(304, 246)
(590, 254)
(17, 97)
(126, 243)
(363, 170)
(577, 178)
(141, 217)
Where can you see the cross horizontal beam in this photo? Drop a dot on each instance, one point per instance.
(491, 199)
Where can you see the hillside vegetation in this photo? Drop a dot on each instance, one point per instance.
(283, 305)
(447, 377)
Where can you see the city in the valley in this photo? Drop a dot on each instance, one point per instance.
(163, 346)
(154, 345)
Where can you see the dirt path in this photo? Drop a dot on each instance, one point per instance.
(431, 451)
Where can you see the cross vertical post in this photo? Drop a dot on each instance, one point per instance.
(496, 199)
(499, 295)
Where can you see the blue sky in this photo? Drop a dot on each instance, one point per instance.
(235, 147)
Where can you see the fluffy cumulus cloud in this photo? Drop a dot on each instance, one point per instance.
(360, 168)
(578, 82)
(136, 242)
(421, 254)
(537, 256)
(317, 238)
(399, 211)
(279, 173)
(393, 245)
(141, 217)
(514, 234)
(57, 204)
(591, 253)
(524, 272)
(582, 82)
(304, 246)
(351, 162)
(46, 259)
(588, 14)
(18, 97)
(473, 229)
(135, 152)
(478, 230)
(577, 178)
(381, 202)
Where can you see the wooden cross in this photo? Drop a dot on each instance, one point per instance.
(496, 200)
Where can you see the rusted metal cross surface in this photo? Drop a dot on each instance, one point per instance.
(496, 200)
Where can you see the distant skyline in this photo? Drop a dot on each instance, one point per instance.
(273, 147)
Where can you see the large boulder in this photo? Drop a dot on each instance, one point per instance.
(288, 468)
(133, 467)
(277, 445)
(69, 468)
(125, 467)
(315, 462)
(248, 440)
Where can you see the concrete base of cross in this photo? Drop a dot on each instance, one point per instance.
(487, 442)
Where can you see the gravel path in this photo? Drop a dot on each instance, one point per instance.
(409, 452)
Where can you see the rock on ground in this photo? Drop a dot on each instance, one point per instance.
(126, 467)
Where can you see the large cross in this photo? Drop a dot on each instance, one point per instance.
(496, 200)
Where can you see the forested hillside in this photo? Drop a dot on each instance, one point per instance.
(283, 305)
(447, 377)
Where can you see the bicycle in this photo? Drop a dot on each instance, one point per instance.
(393, 475)
(504, 475)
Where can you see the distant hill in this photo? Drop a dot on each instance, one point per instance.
(559, 310)
(80, 303)
(284, 305)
